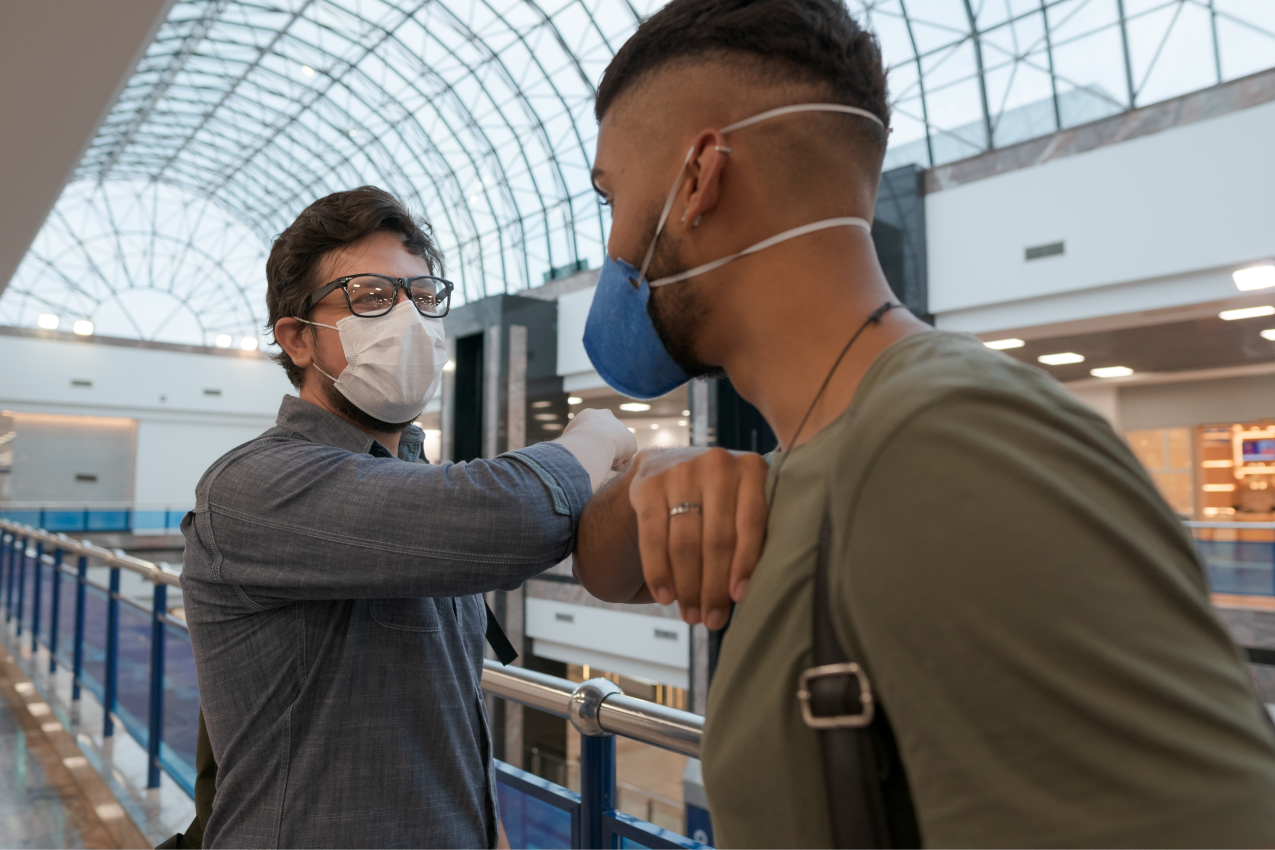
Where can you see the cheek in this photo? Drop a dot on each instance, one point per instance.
(331, 352)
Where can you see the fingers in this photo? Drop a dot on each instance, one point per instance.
(684, 541)
(718, 485)
(750, 523)
(651, 505)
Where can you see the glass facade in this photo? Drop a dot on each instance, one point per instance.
(478, 113)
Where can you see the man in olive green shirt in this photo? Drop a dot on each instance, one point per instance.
(1032, 617)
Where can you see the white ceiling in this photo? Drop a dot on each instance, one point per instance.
(63, 64)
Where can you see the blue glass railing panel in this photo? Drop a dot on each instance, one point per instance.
(181, 699)
(66, 621)
(22, 516)
(94, 671)
(133, 688)
(174, 518)
(1239, 566)
(107, 520)
(150, 519)
(535, 812)
(182, 773)
(626, 831)
(53, 520)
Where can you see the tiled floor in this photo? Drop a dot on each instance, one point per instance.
(40, 804)
(119, 760)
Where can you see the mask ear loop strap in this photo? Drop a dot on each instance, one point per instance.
(802, 107)
(668, 206)
(813, 227)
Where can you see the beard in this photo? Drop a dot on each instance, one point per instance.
(678, 310)
(350, 411)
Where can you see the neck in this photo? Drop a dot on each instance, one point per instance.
(779, 351)
(313, 394)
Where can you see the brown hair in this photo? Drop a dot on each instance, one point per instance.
(329, 223)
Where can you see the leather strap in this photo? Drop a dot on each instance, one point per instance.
(868, 797)
(499, 642)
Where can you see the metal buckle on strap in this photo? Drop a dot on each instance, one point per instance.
(836, 721)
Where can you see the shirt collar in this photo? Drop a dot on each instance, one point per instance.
(321, 426)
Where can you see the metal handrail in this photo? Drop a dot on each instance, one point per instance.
(1238, 526)
(154, 573)
(639, 719)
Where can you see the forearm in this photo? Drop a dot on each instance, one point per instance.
(607, 561)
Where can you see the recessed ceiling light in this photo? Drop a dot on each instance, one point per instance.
(248, 343)
(1002, 344)
(48, 321)
(1111, 372)
(1246, 313)
(635, 406)
(83, 327)
(1062, 359)
(1258, 277)
(222, 341)
(1269, 333)
(542, 404)
(654, 427)
(308, 71)
(686, 413)
(574, 399)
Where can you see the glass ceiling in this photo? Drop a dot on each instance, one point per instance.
(478, 113)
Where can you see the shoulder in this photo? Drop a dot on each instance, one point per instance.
(251, 461)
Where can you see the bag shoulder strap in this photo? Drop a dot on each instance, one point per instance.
(868, 797)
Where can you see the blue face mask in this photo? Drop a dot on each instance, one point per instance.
(618, 336)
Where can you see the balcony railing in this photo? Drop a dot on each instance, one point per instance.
(1239, 556)
(96, 517)
(64, 595)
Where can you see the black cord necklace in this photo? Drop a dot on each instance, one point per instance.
(873, 319)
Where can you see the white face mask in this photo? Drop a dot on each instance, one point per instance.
(395, 362)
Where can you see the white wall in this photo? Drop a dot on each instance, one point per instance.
(1154, 222)
(573, 312)
(180, 429)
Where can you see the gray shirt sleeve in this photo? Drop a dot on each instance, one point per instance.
(287, 519)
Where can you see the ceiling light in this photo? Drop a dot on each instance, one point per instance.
(654, 427)
(635, 406)
(542, 404)
(686, 413)
(1062, 359)
(1218, 488)
(1246, 313)
(248, 343)
(1111, 372)
(222, 341)
(48, 321)
(450, 367)
(1002, 344)
(1258, 277)
(308, 71)
(574, 399)
(1269, 333)
(681, 423)
(83, 327)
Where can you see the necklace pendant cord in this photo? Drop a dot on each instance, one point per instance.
(874, 318)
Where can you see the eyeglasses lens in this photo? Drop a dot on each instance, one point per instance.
(370, 296)
(430, 296)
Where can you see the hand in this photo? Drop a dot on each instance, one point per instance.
(703, 558)
(600, 442)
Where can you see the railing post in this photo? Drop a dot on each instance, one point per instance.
(37, 579)
(597, 758)
(6, 557)
(597, 786)
(112, 654)
(55, 605)
(159, 607)
(77, 668)
(22, 581)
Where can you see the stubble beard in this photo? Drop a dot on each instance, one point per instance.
(678, 310)
(348, 409)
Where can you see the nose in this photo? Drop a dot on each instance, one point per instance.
(400, 295)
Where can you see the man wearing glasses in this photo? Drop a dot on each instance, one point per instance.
(333, 578)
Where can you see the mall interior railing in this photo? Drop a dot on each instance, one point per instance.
(64, 595)
(125, 517)
(1239, 556)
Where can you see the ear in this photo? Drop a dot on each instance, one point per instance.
(292, 338)
(708, 159)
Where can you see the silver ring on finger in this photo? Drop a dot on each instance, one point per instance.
(685, 508)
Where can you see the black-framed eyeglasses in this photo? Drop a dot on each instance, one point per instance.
(371, 295)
